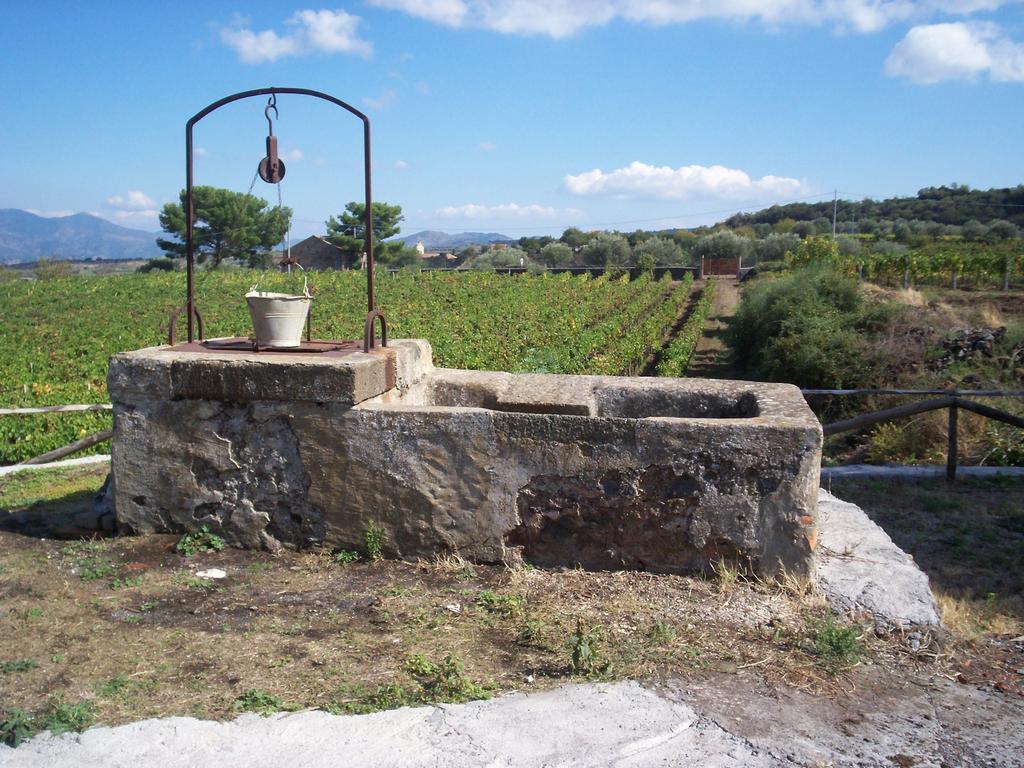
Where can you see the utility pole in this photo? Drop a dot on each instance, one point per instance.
(835, 206)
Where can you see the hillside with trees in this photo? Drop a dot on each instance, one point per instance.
(956, 205)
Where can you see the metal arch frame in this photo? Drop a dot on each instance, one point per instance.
(190, 306)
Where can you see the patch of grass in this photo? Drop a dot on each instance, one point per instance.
(346, 556)
(836, 647)
(500, 604)
(445, 681)
(532, 632)
(661, 632)
(126, 582)
(259, 567)
(199, 541)
(17, 665)
(112, 687)
(64, 718)
(727, 573)
(374, 538)
(16, 726)
(95, 568)
(47, 485)
(258, 702)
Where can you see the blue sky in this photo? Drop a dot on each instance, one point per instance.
(518, 116)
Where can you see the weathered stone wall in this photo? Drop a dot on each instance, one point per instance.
(605, 472)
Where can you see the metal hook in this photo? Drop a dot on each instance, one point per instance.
(271, 105)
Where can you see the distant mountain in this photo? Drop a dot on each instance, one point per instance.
(434, 241)
(27, 237)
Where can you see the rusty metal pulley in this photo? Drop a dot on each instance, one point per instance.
(271, 168)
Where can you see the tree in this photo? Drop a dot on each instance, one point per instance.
(573, 237)
(348, 230)
(659, 251)
(226, 225)
(607, 249)
(557, 254)
(721, 245)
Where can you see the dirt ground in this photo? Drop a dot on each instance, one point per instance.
(128, 628)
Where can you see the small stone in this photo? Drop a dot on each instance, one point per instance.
(454, 607)
(211, 573)
(529, 679)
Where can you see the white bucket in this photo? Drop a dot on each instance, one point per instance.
(278, 318)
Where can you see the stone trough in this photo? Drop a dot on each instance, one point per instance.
(311, 450)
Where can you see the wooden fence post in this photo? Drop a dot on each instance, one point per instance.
(951, 449)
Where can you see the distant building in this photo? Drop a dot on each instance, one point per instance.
(317, 252)
(438, 259)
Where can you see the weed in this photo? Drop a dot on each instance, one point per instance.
(532, 632)
(126, 582)
(836, 646)
(132, 618)
(34, 613)
(502, 605)
(149, 605)
(398, 591)
(259, 567)
(199, 541)
(17, 665)
(194, 582)
(63, 718)
(586, 659)
(57, 658)
(727, 574)
(95, 568)
(260, 702)
(374, 539)
(16, 726)
(389, 696)
(446, 681)
(661, 632)
(112, 687)
(284, 661)
(346, 556)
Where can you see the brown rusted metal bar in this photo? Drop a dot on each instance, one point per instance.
(951, 448)
(877, 417)
(189, 207)
(368, 330)
(172, 330)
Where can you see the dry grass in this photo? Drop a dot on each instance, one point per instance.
(968, 537)
(148, 638)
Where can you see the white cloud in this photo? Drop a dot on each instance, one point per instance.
(401, 165)
(383, 101)
(292, 155)
(643, 181)
(503, 211)
(487, 146)
(312, 32)
(135, 215)
(957, 51)
(135, 200)
(562, 18)
(201, 152)
(423, 88)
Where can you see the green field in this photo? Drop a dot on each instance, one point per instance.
(58, 334)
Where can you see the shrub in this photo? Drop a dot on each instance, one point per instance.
(805, 328)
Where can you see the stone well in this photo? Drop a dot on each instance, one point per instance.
(309, 450)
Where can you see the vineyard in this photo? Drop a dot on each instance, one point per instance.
(949, 263)
(59, 334)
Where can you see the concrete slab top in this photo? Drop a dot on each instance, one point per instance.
(175, 373)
